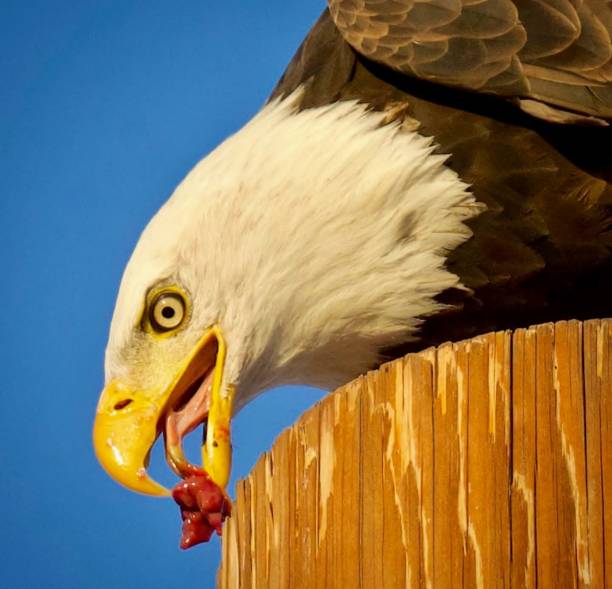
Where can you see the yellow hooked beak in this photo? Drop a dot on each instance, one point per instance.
(129, 421)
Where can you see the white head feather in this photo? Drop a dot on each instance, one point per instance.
(314, 238)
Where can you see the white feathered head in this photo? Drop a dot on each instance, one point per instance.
(293, 253)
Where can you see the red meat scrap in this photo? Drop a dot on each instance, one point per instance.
(204, 507)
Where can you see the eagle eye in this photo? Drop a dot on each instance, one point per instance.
(167, 311)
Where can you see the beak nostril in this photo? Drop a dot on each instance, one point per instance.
(122, 404)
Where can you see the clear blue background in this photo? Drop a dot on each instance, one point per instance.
(104, 106)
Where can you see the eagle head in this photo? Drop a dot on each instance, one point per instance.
(293, 253)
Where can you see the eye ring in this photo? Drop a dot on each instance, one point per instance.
(167, 311)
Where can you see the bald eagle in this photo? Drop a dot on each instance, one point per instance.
(424, 170)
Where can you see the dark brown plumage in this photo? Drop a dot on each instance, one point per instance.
(538, 52)
(543, 248)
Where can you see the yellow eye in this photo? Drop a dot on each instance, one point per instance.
(167, 311)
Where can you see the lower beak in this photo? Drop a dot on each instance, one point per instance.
(128, 421)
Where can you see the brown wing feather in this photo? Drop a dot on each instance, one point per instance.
(557, 52)
(543, 249)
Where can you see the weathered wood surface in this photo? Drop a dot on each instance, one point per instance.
(486, 463)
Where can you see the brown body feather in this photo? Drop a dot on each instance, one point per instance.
(537, 52)
(543, 249)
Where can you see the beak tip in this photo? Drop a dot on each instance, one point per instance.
(122, 458)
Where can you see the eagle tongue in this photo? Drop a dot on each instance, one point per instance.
(183, 421)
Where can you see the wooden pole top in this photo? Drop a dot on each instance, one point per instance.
(485, 463)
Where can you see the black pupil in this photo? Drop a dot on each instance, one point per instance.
(168, 312)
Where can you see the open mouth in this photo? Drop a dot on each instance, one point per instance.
(129, 419)
(188, 407)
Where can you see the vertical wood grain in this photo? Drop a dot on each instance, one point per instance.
(523, 538)
(485, 463)
(449, 465)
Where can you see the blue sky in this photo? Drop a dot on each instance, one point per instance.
(104, 106)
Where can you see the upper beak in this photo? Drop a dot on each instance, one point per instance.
(128, 421)
(125, 430)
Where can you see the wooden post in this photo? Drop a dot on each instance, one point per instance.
(485, 463)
